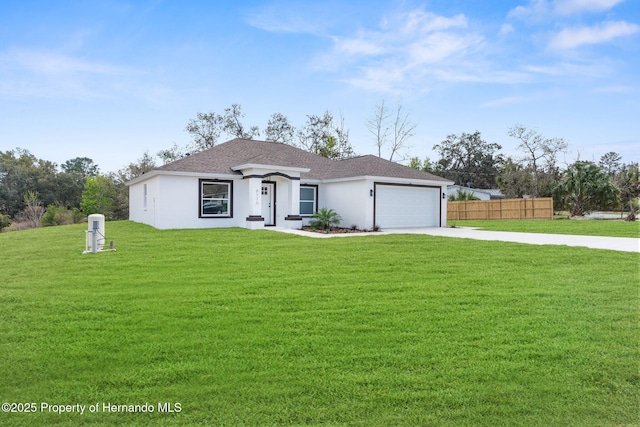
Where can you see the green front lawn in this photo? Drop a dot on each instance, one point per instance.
(262, 328)
(612, 228)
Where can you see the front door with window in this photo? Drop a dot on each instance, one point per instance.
(268, 204)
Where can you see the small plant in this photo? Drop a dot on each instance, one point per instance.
(5, 221)
(77, 216)
(462, 196)
(376, 227)
(324, 219)
(354, 227)
(634, 207)
(56, 214)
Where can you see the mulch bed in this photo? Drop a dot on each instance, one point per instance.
(336, 230)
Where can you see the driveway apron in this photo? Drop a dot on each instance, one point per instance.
(624, 244)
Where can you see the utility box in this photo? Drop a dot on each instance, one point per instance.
(95, 233)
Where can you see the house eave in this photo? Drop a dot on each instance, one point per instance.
(154, 173)
(389, 179)
(274, 168)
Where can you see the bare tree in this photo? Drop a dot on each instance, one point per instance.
(345, 150)
(393, 128)
(33, 211)
(540, 152)
(377, 124)
(280, 130)
(403, 130)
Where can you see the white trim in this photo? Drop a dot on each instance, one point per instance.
(391, 179)
(203, 175)
(269, 167)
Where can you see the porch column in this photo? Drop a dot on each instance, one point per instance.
(255, 219)
(293, 219)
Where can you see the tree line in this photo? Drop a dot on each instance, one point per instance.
(35, 191)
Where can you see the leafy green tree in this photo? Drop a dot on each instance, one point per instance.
(321, 136)
(70, 182)
(515, 180)
(610, 163)
(280, 130)
(469, 160)
(205, 130)
(415, 163)
(232, 123)
(98, 197)
(628, 184)
(81, 166)
(324, 219)
(585, 187)
(20, 172)
(540, 154)
(424, 166)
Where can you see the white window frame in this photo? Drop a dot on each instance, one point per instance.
(145, 196)
(228, 199)
(314, 201)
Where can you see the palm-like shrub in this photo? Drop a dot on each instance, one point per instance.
(585, 187)
(462, 196)
(324, 219)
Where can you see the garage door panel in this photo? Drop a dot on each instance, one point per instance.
(407, 206)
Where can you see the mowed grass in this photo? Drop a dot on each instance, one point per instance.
(612, 228)
(261, 328)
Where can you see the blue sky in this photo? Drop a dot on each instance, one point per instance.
(110, 80)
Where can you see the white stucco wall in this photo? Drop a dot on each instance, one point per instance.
(173, 202)
(138, 212)
(351, 200)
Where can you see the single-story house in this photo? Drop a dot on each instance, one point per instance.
(480, 193)
(255, 184)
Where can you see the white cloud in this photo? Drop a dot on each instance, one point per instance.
(51, 63)
(49, 74)
(361, 45)
(569, 7)
(508, 100)
(402, 51)
(570, 38)
(615, 89)
(538, 9)
(290, 17)
(421, 22)
(506, 29)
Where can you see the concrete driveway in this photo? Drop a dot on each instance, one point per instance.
(624, 244)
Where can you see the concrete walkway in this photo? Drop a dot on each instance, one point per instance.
(624, 244)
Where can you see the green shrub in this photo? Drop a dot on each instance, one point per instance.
(324, 219)
(77, 216)
(462, 196)
(56, 214)
(5, 221)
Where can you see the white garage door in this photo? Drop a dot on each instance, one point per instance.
(403, 206)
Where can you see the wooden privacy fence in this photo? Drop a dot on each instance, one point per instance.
(540, 208)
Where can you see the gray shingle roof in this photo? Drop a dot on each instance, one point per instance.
(222, 157)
